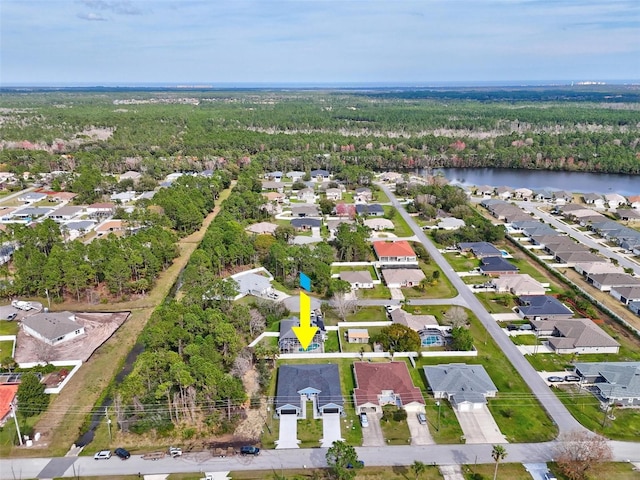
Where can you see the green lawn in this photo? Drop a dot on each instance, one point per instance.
(461, 262)
(369, 314)
(378, 291)
(331, 345)
(512, 471)
(395, 432)
(497, 302)
(525, 340)
(8, 328)
(6, 349)
(623, 425)
(402, 228)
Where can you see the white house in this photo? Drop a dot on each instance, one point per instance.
(306, 195)
(614, 200)
(53, 328)
(358, 279)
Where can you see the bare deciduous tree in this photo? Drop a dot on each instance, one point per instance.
(243, 363)
(257, 322)
(581, 452)
(456, 317)
(343, 306)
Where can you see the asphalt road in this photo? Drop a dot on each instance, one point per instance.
(584, 239)
(556, 410)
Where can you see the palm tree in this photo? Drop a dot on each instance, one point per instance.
(498, 453)
(418, 468)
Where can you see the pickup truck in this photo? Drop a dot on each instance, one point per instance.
(249, 450)
(175, 452)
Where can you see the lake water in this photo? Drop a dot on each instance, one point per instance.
(544, 179)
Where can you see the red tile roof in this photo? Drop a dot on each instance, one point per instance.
(400, 248)
(7, 394)
(373, 377)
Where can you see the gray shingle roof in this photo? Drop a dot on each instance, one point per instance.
(52, 325)
(541, 305)
(294, 378)
(459, 378)
(621, 379)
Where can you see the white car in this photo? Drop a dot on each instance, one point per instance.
(364, 420)
(102, 455)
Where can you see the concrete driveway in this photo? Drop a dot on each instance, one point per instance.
(330, 429)
(479, 426)
(420, 434)
(372, 435)
(288, 432)
(536, 470)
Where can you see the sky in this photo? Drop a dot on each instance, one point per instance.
(391, 42)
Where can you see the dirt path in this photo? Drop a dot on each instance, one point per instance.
(61, 424)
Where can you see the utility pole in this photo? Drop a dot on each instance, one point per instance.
(438, 427)
(106, 414)
(15, 418)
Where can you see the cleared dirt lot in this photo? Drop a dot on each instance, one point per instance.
(98, 327)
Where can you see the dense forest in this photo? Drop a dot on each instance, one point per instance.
(161, 132)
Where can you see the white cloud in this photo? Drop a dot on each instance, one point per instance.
(92, 17)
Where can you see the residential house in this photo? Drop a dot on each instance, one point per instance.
(320, 175)
(306, 223)
(606, 281)
(594, 268)
(273, 186)
(66, 213)
(378, 224)
(372, 210)
(542, 307)
(594, 199)
(334, 194)
(466, 387)
(305, 210)
(345, 210)
(306, 195)
(484, 191)
(431, 334)
(523, 194)
(7, 398)
(562, 196)
(614, 382)
(316, 383)
(402, 277)
(363, 194)
(571, 258)
(274, 176)
(450, 223)
(543, 195)
(250, 283)
(32, 197)
(333, 225)
(29, 213)
(262, 228)
(542, 240)
(6, 214)
(101, 209)
(357, 335)
(379, 384)
(629, 214)
(395, 252)
(53, 328)
(576, 335)
(131, 175)
(615, 200)
(275, 197)
(295, 175)
(390, 177)
(480, 249)
(110, 226)
(493, 266)
(634, 307)
(518, 284)
(122, 197)
(504, 193)
(626, 294)
(74, 230)
(634, 201)
(288, 340)
(358, 279)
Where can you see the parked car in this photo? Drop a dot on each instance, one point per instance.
(102, 455)
(571, 378)
(122, 453)
(555, 379)
(364, 420)
(550, 476)
(422, 418)
(12, 316)
(512, 327)
(359, 462)
(525, 326)
(249, 450)
(175, 452)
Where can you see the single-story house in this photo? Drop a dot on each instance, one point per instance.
(518, 284)
(334, 194)
(496, 266)
(395, 252)
(295, 175)
(523, 193)
(65, 213)
(504, 192)
(543, 195)
(306, 223)
(358, 279)
(591, 198)
(634, 307)
(614, 382)
(480, 249)
(53, 328)
(577, 256)
(130, 175)
(402, 277)
(320, 175)
(123, 197)
(252, 284)
(562, 196)
(363, 194)
(629, 214)
(467, 387)
(626, 294)
(306, 195)
(606, 281)
(275, 176)
(275, 197)
(273, 186)
(414, 322)
(32, 197)
(358, 335)
(614, 200)
(110, 226)
(484, 191)
(379, 224)
(389, 383)
(77, 229)
(450, 223)
(262, 228)
(594, 268)
(288, 340)
(373, 210)
(305, 210)
(101, 209)
(575, 335)
(6, 214)
(542, 307)
(333, 225)
(317, 383)
(29, 213)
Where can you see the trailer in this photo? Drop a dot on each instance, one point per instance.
(21, 305)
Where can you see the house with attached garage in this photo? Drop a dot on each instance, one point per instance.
(395, 252)
(334, 194)
(65, 213)
(306, 195)
(542, 307)
(363, 194)
(250, 283)
(358, 279)
(480, 249)
(305, 210)
(634, 307)
(613, 382)
(626, 294)
(402, 277)
(575, 335)
(389, 383)
(606, 281)
(32, 197)
(301, 224)
(518, 284)
(320, 175)
(371, 210)
(53, 328)
(467, 387)
(493, 266)
(450, 223)
(317, 383)
(378, 224)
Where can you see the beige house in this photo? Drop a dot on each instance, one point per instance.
(402, 277)
(358, 279)
(358, 335)
(518, 284)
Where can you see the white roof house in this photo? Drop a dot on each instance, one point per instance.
(358, 279)
(379, 224)
(402, 277)
(518, 284)
(252, 284)
(52, 328)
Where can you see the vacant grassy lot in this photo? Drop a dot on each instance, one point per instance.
(378, 291)
(461, 262)
(402, 228)
(497, 302)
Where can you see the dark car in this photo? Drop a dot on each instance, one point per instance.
(554, 379)
(122, 453)
(249, 450)
(571, 378)
(359, 462)
(512, 326)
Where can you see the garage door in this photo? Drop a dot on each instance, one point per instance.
(288, 412)
(331, 410)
